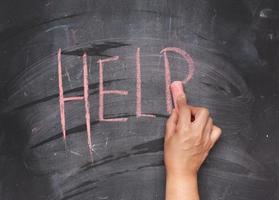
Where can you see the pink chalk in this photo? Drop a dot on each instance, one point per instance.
(61, 95)
(73, 98)
(86, 103)
(138, 88)
(85, 97)
(102, 92)
(176, 90)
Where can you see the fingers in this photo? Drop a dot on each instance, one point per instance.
(206, 132)
(171, 124)
(201, 116)
(203, 120)
(208, 126)
(215, 135)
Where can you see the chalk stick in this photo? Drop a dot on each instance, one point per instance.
(176, 91)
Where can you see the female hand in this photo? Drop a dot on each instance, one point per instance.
(190, 134)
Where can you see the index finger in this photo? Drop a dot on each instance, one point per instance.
(180, 102)
(176, 91)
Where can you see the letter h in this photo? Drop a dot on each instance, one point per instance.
(85, 98)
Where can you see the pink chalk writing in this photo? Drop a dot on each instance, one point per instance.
(138, 92)
(102, 92)
(191, 68)
(63, 99)
(61, 95)
(86, 102)
(72, 98)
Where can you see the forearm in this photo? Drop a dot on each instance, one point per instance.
(181, 188)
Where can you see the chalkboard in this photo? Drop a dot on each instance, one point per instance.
(85, 96)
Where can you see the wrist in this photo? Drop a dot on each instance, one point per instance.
(181, 187)
(182, 175)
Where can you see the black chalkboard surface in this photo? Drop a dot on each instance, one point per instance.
(85, 96)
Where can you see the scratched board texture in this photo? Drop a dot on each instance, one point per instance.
(224, 51)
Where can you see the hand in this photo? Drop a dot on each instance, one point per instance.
(187, 142)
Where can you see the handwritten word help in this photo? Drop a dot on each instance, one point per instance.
(102, 91)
